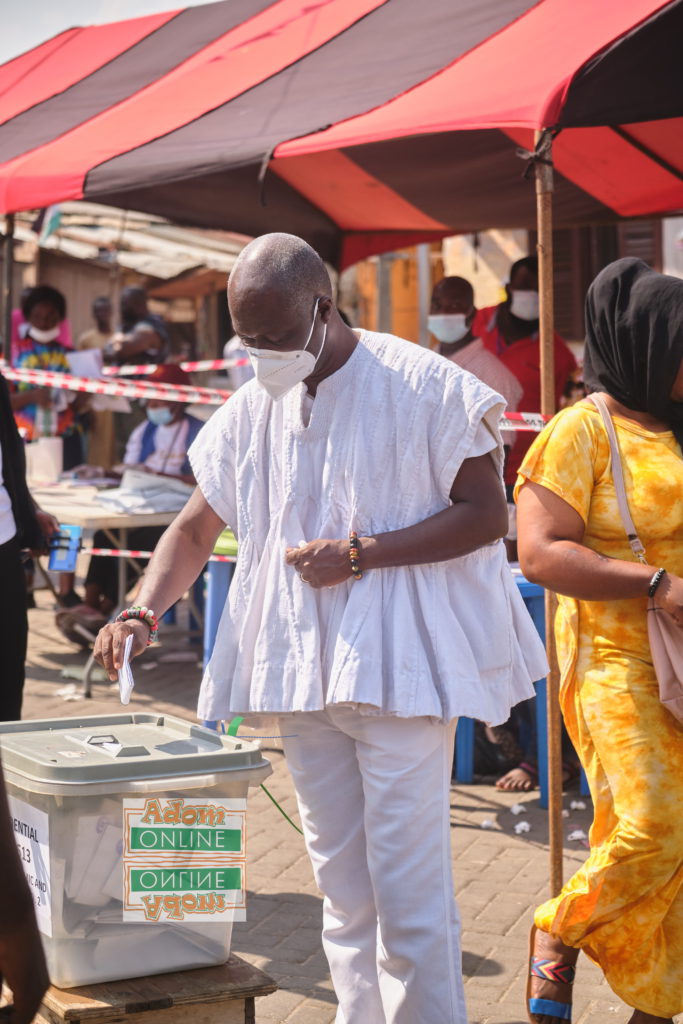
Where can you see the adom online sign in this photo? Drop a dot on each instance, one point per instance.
(184, 858)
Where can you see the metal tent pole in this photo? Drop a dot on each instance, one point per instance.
(7, 277)
(544, 245)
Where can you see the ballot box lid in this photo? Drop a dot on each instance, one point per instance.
(119, 748)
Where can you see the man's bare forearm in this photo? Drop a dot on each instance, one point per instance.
(453, 532)
(478, 516)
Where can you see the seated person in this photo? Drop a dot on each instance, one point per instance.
(520, 732)
(159, 445)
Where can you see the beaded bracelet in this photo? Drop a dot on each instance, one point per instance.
(354, 556)
(655, 581)
(145, 615)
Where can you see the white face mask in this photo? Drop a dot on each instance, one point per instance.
(524, 305)
(279, 372)
(43, 336)
(448, 327)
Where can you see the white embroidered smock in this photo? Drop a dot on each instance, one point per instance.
(386, 436)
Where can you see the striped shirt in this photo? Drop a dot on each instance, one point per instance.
(477, 359)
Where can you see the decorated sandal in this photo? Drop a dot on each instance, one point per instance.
(557, 971)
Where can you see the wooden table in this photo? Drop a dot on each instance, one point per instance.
(80, 506)
(210, 995)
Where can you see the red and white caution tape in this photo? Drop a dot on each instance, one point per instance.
(191, 367)
(133, 553)
(134, 389)
(524, 421)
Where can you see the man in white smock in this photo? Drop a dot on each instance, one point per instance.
(368, 649)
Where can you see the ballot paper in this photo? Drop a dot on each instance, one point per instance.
(126, 682)
(88, 363)
(85, 833)
(85, 363)
(104, 862)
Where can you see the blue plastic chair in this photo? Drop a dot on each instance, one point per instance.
(218, 578)
(534, 599)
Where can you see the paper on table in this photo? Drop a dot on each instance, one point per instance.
(88, 363)
(126, 682)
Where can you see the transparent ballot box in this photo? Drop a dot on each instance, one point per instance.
(131, 831)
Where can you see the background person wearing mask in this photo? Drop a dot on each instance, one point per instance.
(158, 445)
(451, 316)
(47, 412)
(510, 332)
(19, 328)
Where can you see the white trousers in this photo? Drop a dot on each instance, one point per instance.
(373, 794)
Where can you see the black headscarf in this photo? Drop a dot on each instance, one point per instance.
(634, 339)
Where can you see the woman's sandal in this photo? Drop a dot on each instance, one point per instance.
(549, 970)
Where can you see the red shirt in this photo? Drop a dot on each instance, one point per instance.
(523, 359)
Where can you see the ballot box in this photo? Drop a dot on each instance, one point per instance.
(131, 831)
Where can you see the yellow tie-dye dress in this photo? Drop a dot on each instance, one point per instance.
(624, 907)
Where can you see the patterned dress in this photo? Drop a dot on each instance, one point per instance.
(34, 420)
(624, 906)
(57, 420)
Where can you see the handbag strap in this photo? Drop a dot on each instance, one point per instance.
(618, 477)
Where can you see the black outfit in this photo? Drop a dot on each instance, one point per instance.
(13, 618)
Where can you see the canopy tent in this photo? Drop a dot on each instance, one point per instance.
(363, 126)
(179, 114)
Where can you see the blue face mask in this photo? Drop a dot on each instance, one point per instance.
(160, 416)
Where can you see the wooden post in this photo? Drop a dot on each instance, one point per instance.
(424, 290)
(544, 245)
(7, 277)
(384, 304)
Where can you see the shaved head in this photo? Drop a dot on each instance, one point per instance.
(452, 295)
(277, 269)
(280, 298)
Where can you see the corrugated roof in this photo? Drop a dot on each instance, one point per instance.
(147, 244)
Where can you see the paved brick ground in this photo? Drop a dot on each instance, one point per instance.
(500, 876)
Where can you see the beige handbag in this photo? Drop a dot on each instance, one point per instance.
(666, 637)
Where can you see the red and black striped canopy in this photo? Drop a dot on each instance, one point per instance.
(379, 122)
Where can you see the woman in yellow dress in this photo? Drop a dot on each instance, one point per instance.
(624, 906)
